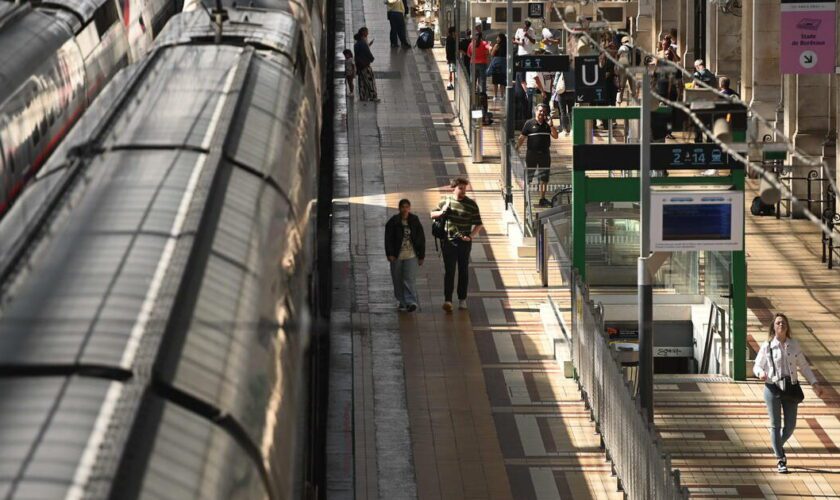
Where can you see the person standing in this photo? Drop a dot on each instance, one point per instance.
(479, 53)
(725, 87)
(628, 56)
(451, 45)
(349, 71)
(524, 39)
(396, 16)
(498, 66)
(550, 42)
(405, 247)
(539, 133)
(463, 223)
(364, 58)
(777, 363)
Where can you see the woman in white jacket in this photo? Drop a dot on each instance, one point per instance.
(777, 364)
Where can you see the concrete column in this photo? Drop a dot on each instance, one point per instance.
(668, 18)
(645, 37)
(811, 111)
(686, 27)
(723, 43)
(747, 50)
(763, 65)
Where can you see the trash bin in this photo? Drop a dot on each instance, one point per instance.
(477, 139)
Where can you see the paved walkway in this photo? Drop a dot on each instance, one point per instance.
(462, 405)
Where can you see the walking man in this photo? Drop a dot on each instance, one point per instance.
(463, 223)
(396, 17)
(405, 247)
(539, 133)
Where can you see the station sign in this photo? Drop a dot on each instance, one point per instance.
(536, 10)
(693, 221)
(662, 157)
(590, 82)
(807, 37)
(547, 63)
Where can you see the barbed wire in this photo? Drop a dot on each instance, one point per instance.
(769, 177)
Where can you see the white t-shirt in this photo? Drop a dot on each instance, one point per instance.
(527, 46)
(531, 80)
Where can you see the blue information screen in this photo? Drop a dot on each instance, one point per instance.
(696, 222)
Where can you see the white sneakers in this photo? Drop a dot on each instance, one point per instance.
(462, 304)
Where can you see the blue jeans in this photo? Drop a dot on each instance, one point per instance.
(397, 21)
(778, 434)
(404, 276)
(481, 77)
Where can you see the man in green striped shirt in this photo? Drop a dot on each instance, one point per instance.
(463, 223)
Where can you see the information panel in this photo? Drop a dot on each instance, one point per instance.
(548, 63)
(697, 220)
(807, 37)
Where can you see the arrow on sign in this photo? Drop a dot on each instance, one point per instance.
(808, 60)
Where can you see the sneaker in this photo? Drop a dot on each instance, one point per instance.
(462, 304)
(450, 87)
(401, 308)
(447, 306)
(782, 467)
(411, 308)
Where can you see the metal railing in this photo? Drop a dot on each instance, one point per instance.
(831, 219)
(643, 469)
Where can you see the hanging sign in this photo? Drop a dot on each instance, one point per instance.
(590, 83)
(807, 37)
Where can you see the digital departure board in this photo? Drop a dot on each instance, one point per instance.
(697, 220)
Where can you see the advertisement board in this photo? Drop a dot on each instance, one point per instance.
(807, 37)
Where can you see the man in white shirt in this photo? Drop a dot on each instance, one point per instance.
(536, 83)
(552, 44)
(524, 39)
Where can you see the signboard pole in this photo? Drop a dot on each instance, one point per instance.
(645, 278)
(509, 106)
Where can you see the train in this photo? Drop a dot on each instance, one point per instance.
(156, 276)
(55, 58)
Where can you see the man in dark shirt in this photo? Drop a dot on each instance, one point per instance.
(451, 56)
(463, 223)
(539, 133)
(702, 73)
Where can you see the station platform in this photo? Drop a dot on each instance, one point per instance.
(472, 404)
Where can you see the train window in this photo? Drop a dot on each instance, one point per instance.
(106, 16)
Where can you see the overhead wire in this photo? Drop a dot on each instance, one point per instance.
(768, 176)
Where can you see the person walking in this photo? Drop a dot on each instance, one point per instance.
(564, 98)
(405, 247)
(349, 71)
(463, 223)
(479, 53)
(451, 45)
(498, 66)
(539, 133)
(396, 16)
(536, 85)
(364, 58)
(777, 363)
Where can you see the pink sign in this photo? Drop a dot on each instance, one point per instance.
(808, 37)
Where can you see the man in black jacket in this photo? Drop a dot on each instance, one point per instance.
(405, 247)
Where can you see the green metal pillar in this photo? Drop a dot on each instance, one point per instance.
(739, 299)
(579, 199)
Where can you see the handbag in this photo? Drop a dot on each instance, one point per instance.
(784, 388)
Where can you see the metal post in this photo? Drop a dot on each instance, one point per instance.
(645, 280)
(509, 105)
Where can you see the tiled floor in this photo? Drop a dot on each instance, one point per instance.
(470, 404)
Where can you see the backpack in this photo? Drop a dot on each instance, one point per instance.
(426, 39)
(759, 208)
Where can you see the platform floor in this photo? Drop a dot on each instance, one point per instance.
(469, 404)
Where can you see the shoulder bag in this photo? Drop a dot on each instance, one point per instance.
(784, 388)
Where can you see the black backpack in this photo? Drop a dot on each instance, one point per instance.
(758, 207)
(426, 39)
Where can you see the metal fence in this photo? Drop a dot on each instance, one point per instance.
(643, 468)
